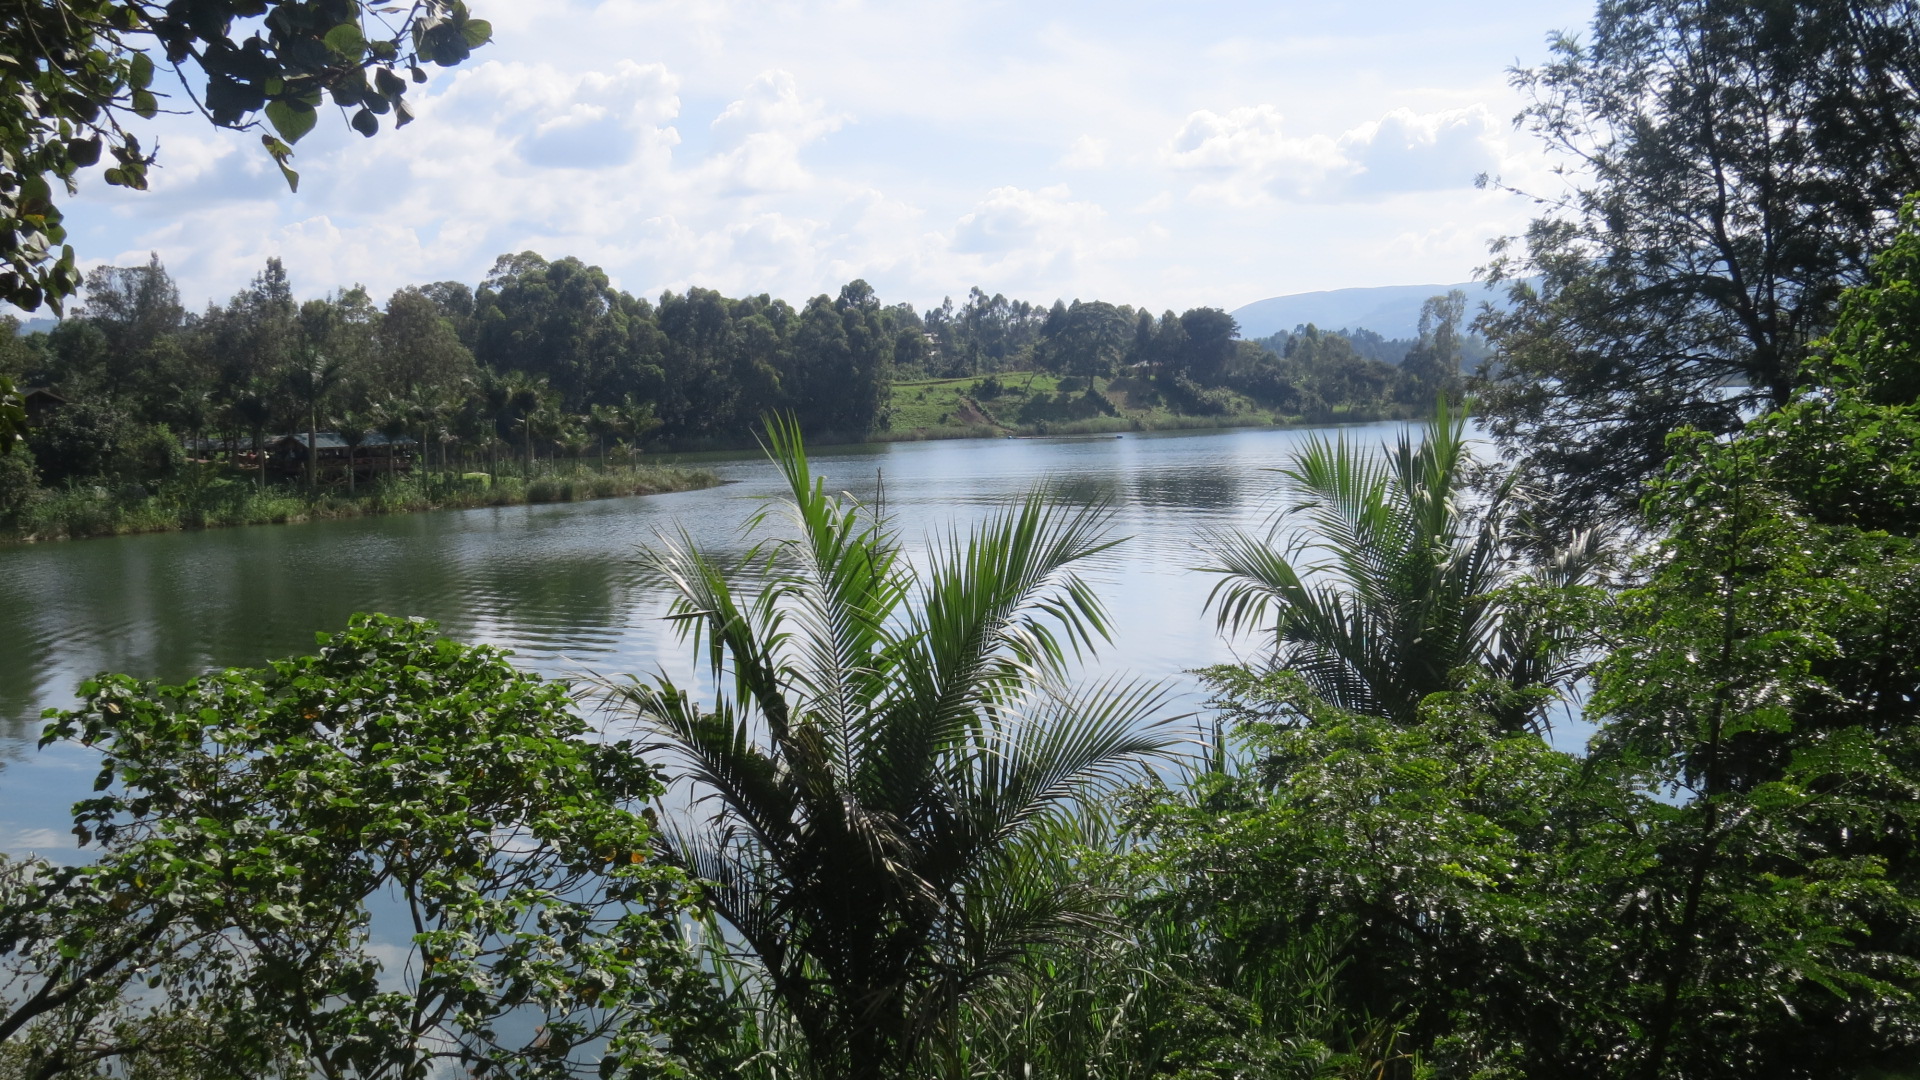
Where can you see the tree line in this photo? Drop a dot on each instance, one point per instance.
(546, 359)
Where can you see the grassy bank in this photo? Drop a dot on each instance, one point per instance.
(213, 501)
(1037, 403)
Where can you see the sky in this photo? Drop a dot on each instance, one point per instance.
(1169, 155)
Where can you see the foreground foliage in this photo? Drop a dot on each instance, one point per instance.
(887, 784)
(1385, 576)
(1769, 683)
(1724, 886)
(396, 854)
(75, 72)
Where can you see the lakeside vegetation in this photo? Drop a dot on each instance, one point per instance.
(544, 366)
(1041, 403)
(209, 499)
(917, 848)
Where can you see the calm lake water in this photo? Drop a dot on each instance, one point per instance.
(558, 584)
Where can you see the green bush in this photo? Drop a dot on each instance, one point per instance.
(19, 487)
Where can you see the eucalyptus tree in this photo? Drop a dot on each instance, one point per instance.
(1088, 339)
(1383, 578)
(418, 345)
(1736, 164)
(893, 760)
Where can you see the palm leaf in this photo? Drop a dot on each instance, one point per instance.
(1383, 577)
(888, 743)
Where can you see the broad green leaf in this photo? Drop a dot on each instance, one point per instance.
(346, 40)
(291, 120)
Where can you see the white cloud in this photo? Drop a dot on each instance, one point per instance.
(763, 132)
(1086, 152)
(1011, 218)
(1405, 151)
(1247, 156)
(1024, 241)
(714, 143)
(21, 841)
(557, 119)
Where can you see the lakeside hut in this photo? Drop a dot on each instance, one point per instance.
(39, 401)
(374, 456)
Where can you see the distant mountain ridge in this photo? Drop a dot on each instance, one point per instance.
(1392, 311)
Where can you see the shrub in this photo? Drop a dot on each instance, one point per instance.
(19, 487)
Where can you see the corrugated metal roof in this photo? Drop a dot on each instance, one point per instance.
(331, 440)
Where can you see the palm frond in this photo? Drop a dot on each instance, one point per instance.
(1383, 578)
(886, 743)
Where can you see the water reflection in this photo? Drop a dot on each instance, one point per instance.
(558, 584)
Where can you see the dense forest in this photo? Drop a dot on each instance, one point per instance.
(546, 360)
(890, 836)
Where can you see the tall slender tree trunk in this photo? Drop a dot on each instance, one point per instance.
(313, 451)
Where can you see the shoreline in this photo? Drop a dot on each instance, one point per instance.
(231, 501)
(234, 503)
(1099, 426)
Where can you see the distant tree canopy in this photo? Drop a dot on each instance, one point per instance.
(1088, 339)
(1737, 163)
(547, 358)
(75, 72)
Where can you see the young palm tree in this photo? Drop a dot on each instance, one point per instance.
(392, 419)
(571, 437)
(892, 757)
(623, 423)
(312, 380)
(253, 404)
(354, 426)
(1398, 579)
(527, 407)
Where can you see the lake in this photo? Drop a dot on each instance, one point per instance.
(558, 584)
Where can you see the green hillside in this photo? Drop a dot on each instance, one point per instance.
(1039, 403)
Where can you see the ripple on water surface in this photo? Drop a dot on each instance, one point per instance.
(559, 584)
